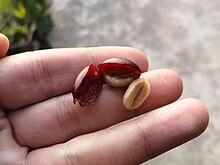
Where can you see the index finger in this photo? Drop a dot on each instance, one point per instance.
(36, 76)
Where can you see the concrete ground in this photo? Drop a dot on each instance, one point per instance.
(181, 35)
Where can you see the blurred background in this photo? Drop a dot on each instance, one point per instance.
(181, 35)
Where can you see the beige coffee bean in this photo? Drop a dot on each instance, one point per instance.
(136, 94)
(118, 82)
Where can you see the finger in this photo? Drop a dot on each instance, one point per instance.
(57, 120)
(4, 44)
(133, 142)
(10, 151)
(35, 76)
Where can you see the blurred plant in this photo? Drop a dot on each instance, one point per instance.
(25, 20)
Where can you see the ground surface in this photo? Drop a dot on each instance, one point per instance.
(181, 35)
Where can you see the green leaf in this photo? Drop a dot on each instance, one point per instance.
(20, 12)
(22, 19)
(15, 3)
(4, 6)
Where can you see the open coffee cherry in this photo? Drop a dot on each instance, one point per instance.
(87, 86)
(119, 72)
(116, 72)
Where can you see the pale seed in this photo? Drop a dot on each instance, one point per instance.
(136, 94)
(118, 81)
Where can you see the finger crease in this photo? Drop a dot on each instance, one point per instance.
(93, 56)
(147, 147)
(77, 124)
(61, 118)
(41, 75)
(70, 157)
(66, 117)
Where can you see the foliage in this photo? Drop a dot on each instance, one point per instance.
(21, 19)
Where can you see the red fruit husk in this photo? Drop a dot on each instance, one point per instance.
(119, 68)
(87, 86)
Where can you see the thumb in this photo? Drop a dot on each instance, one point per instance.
(4, 45)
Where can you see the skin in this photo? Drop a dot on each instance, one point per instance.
(4, 44)
(40, 125)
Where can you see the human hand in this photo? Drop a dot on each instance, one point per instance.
(40, 125)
